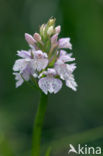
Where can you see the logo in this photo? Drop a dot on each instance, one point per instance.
(84, 150)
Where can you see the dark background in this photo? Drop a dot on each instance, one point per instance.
(72, 117)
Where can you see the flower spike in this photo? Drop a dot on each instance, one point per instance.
(46, 61)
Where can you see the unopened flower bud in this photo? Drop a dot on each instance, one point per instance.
(29, 39)
(37, 37)
(51, 22)
(50, 30)
(42, 29)
(54, 39)
(58, 29)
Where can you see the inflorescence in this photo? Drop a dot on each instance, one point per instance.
(46, 62)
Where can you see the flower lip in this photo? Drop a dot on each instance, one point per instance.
(50, 84)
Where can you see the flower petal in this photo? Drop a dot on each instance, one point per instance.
(71, 82)
(19, 65)
(49, 72)
(19, 79)
(39, 64)
(40, 60)
(24, 54)
(65, 43)
(65, 57)
(64, 70)
(27, 72)
(50, 84)
(56, 84)
(39, 54)
(44, 85)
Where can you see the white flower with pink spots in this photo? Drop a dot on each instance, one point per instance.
(46, 61)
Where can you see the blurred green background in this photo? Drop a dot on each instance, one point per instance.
(72, 117)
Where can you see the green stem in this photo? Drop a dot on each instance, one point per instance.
(38, 124)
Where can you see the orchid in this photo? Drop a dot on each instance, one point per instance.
(46, 64)
(46, 54)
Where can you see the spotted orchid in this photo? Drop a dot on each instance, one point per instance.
(46, 61)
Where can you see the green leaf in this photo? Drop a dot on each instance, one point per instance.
(48, 152)
(5, 147)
